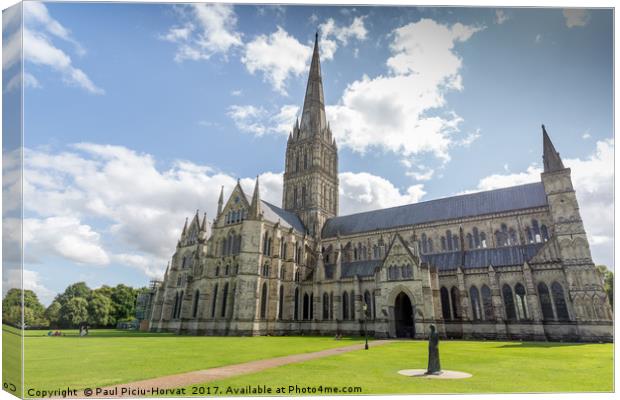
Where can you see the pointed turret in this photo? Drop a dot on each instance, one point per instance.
(184, 228)
(313, 120)
(220, 202)
(203, 226)
(551, 158)
(255, 210)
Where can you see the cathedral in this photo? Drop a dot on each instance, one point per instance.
(510, 263)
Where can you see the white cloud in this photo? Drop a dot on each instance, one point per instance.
(238, 92)
(38, 49)
(37, 16)
(593, 182)
(501, 17)
(208, 29)
(576, 17)
(332, 34)
(277, 56)
(419, 172)
(63, 237)
(12, 278)
(392, 112)
(258, 121)
(15, 83)
(364, 192)
(139, 209)
(586, 135)
(11, 49)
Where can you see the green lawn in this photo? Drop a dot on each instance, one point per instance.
(496, 367)
(108, 357)
(11, 359)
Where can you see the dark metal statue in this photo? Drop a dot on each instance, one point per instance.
(433, 353)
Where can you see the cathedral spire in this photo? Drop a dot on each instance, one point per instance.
(204, 222)
(184, 229)
(313, 120)
(551, 158)
(220, 202)
(255, 206)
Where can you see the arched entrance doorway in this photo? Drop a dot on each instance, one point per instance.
(403, 314)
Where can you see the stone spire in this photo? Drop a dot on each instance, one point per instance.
(551, 158)
(184, 229)
(204, 222)
(313, 120)
(255, 206)
(220, 202)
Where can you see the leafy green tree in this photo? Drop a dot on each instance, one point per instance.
(608, 279)
(33, 309)
(74, 312)
(52, 313)
(100, 309)
(124, 299)
(79, 289)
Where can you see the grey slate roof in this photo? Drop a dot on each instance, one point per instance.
(287, 219)
(349, 269)
(468, 205)
(480, 258)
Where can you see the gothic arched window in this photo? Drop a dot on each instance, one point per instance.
(263, 302)
(483, 240)
(521, 301)
(281, 302)
(306, 309)
(367, 301)
(544, 232)
(509, 303)
(474, 296)
(487, 303)
(424, 243)
(476, 237)
(545, 301)
(470, 241)
(456, 302)
(224, 299)
(443, 243)
(559, 301)
(449, 240)
(445, 304)
(528, 235)
(345, 306)
(325, 306)
(352, 304)
(296, 314)
(214, 302)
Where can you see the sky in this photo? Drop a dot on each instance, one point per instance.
(129, 130)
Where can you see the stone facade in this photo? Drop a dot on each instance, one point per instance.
(511, 263)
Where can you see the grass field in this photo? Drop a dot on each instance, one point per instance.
(497, 367)
(108, 357)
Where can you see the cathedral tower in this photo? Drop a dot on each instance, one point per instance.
(311, 168)
(584, 280)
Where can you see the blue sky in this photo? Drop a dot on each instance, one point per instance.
(135, 114)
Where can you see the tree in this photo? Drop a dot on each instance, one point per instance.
(52, 313)
(79, 289)
(74, 312)
(100, 309)
(32, 308)
(124, 299)
(608, 283)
